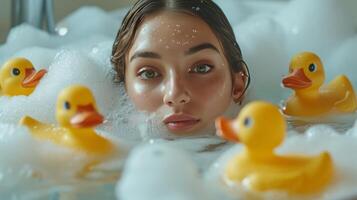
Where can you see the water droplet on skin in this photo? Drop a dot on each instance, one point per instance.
(185, 43)
(167, 46)
(194, 30)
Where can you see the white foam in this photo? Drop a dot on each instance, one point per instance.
(311, 26)
(241, 11)
(89, 20)
(160, 172)
(27, 163)
(120, 13)
(25, 36)
(263, 45)
(68, 67)
(344, 61)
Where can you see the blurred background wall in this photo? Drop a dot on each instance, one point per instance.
(61, 9)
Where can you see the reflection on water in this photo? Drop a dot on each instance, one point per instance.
(340, 123)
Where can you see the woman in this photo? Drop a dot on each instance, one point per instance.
(179, 60)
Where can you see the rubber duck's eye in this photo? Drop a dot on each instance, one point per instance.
(247, 122)
(67, 106)
(15, 72)
(312, 68)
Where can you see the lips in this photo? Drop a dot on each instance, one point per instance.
(180, 122)
(86, 117)
(32, 77)
(297, 80)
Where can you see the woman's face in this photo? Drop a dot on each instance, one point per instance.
(177, 70)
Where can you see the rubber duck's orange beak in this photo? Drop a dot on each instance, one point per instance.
(297, 80)
(32, 77)
(225, 129)
(86, 117)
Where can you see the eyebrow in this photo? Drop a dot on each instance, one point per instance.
(145, 54)
(201, 47)
(192, 50)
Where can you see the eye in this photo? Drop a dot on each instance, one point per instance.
(15, 72)
(247, 122)
(201, 69)
(312, 67)
(148, 74)
(67, 105)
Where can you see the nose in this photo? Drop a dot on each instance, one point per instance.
(176, 93)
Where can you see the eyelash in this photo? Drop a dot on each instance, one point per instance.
(192, 70)
(141, 73)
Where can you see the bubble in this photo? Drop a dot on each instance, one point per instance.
(157, 180)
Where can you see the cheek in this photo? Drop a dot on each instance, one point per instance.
(213, 93)
(146, 97)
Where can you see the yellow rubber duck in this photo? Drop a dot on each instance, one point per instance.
(310, 97)
(261, 128)
(19, 77)
(76, 114)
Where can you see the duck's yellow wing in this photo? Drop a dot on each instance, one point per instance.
(41, 130)
(309, 177)
(341, 90)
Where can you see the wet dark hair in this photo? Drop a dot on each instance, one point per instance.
(207, 10)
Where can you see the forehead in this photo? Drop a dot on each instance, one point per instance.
(172, 30)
